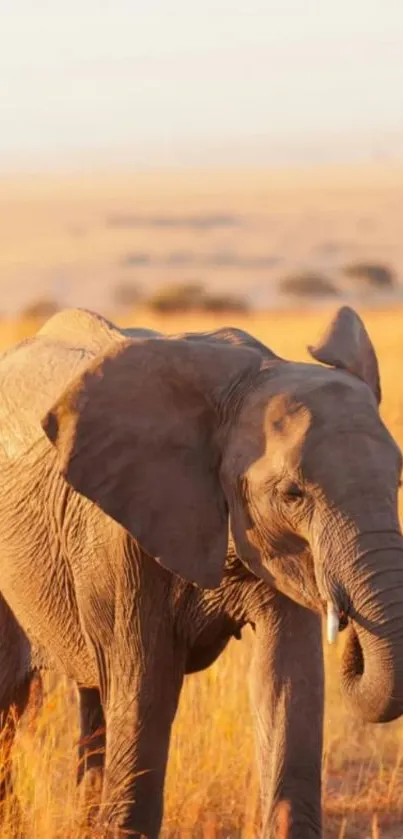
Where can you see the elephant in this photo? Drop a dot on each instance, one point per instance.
(158, 493)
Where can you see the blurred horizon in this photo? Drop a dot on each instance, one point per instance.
(255, 84)
(225, 154)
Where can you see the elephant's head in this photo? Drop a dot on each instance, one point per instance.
(168, 437)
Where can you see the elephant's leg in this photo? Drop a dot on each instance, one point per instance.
(91, 751)
(19, 689)
(129, 627)
(139, 714)
(287, 687)
(12, 706)
(15, 699)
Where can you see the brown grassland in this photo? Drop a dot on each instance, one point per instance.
(211, 787)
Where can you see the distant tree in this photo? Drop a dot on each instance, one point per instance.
(372, 274)
(137, 258)
(308, 284)
(41, 309)
(178, 297)
(185, 297)
(231, 303)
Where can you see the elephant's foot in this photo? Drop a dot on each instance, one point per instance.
(285, 823)
(90, 793)
(283, 819)
(138, 824)
(122, 833)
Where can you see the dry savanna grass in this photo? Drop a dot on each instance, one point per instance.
(211, 787)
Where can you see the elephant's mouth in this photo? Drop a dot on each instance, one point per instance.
(336, 620)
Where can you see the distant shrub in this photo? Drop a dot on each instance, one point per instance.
(127, 294)
(204, 221)
(41, 309)
(308, 285)
(223, 259)
(137, 258)
(185, 297)
(178, 297)
(234, 259)
(371, 273)
(225, 303)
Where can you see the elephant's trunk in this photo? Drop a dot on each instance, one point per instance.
(370, 586)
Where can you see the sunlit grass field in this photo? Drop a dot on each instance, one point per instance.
(212, 787)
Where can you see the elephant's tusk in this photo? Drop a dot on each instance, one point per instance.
(332, 623)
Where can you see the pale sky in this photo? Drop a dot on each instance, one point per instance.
(165, 82)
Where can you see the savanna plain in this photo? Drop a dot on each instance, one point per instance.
(212, 789)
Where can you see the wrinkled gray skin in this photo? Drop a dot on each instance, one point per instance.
(120, 446)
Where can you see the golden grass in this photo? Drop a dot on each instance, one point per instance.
(211, 787)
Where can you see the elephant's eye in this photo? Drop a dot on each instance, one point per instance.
(293, 493)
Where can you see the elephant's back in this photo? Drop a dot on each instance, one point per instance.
(35, 372)
(81, 328)
(32, 376)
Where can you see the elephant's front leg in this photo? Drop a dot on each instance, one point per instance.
(142, 696)
(287, 688)
(91, 752)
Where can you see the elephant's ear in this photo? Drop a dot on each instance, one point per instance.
(135, 433)
(347, 345)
